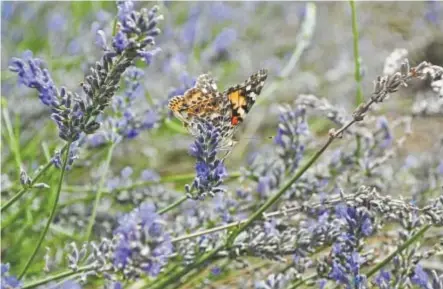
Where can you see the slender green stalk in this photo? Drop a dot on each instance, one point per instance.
(165, 179)
(52, 213)
(33, 181)
(391, 256)
(13, 141)
(176, 275)
(11, 218)
(274, 199)
(357, 75)
(302, 281)
(99, 192)
(56, 277)
(173, 205)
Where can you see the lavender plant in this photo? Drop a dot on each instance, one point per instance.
(338, 199)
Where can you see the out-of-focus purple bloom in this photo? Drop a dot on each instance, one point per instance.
(216, 270)
(143, 245)
(292, 131)
(263, 187)
(8, 281)
(224, 40)
(387, 137)
(440, 168)
(126, 172)
(421, 278)
(220, 11)
(410, 162)
(382, 279)
(74, 47)
(434, 9)
(148, 56)
(124, 9)
(68, 284)
(101, 40)
(221, 44)
(149, 175)
(56, 22)
(190, 27)
(210, 170)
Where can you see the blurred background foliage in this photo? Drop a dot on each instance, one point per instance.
(231, 40)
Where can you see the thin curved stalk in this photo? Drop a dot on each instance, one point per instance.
(173, 205)
(56, 277)
(391, 256)
(176, 275)
(33, 181)
(99, 192)
(52, 213)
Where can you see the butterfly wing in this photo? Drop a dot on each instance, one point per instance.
(242, 96)
(198, 100)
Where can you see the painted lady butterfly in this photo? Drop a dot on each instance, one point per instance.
(226, 110)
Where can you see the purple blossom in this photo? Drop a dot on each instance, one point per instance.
(387, 136)
(120, 42)
(188, 33)
(31, 73)
(210, 171)
(421, 278)
(142, 241)
(291, 135)
(124, 9)
(8, 281)
(383, 279)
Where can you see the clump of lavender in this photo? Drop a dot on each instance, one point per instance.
(210, 171)
(127, 119)
(346, 259)
(292, 129)
(140, 246)
(74, 114)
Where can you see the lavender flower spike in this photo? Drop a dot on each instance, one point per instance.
(210, 170)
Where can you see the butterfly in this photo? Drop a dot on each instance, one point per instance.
(226, 110)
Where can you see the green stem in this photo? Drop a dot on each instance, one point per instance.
(165, 179)
(56, 277)
(178, 274)
(391, 256)
(173, 205)
(52, 213)
(99, 192)
(274, 199)
(33, 181)
(13, 143)
(302, 281)
(11, 218)
(359, 95)
(357, 75)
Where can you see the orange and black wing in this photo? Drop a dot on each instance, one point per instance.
(242, 97)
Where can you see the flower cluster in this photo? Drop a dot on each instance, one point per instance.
(73, 114)
(292, 130)
(210, 171)
(140, 246)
